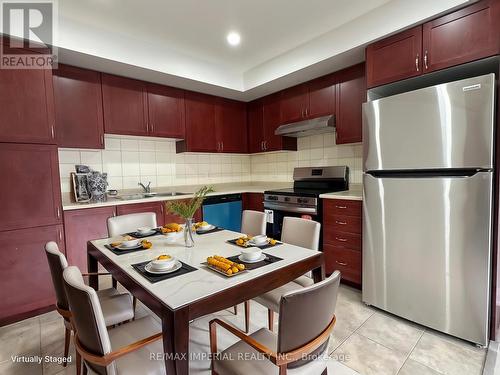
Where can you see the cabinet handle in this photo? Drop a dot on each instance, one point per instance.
(307, 111)
(52, 132)
(417, 60)
(340, 222)
(60, 236)
(102, 139)
(265, 145)
(222, 146)
(341, 263)
(341, 207)
(262, 145)
(425, 60)
(341, 239)
(152, 127)
(58, 212)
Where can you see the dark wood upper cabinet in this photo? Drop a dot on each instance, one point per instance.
(351, 94)
(166, 111)
(294, 104)
(394, 58)
(321, 98)
(255, 118)
(27, 106)
(78, 107)
(155, 207)
(465, 35)
(271, 121)
(30, 188)
(125, 105)
(231, 126)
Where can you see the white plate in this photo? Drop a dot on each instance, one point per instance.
(259, 259)
(149, 268)
(265, 243)
(152, 231)
(206, 229)
(121, 247)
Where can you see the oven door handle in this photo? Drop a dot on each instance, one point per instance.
(290, 208)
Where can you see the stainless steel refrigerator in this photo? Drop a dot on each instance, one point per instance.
(427, 209)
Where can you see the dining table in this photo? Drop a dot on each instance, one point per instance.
(201, 291)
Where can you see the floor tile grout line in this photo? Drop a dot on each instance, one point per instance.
(352, 333)
(411, 351)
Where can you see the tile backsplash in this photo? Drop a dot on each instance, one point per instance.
(129, 160)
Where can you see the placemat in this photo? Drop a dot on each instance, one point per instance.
(152, 278)
(138, 235)
(121, 252)
(262, 247)
(252, 266)
(216, 229)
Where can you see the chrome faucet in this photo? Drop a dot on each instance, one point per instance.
(147, 189)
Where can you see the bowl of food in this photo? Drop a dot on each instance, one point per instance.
(171, 230)
(132, 242)
(251, 254)
(144, 230)
(259, 240)
(163, 262)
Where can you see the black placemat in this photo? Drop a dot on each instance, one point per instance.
(138, 235)
(216, 229)
(121, 252)
(262, 247)
(152, 278)
(252, 266)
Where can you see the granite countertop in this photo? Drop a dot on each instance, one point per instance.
(220, 189)
(355, 192)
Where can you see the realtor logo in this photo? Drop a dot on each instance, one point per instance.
(28, 29)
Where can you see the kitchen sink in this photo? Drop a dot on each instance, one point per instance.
(171, 194)
(128, 197)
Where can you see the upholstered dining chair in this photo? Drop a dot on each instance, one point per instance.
(126, 349)
(298, 232)
(121, 224)
(253, 223)
(306, 319)
(117, 307)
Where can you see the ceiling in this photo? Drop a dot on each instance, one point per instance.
(183, 42)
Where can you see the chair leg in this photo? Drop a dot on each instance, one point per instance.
(235, 307)
(114, 282)
(247, 316)
(84, 372)
(325, 372)
(134, 305)
(67, 338)
(270, 319)
(78, 363)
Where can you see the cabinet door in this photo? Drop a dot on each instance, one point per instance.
(255, 118)
(125, 105)
(253, 201)
(166, 111)
(347, 261)
(173, 218)
(156, 207)
(231, 126)
(351, 94)
(395, 58)
(81, 226)
(271, 121)
(27, 106)
(321, 97)
(200, 123)
(26, 281)
(465, 35)
(30, 188)
(78, 107)
(294, 103)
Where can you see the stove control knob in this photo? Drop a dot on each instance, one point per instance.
(287, 199)
(272, 198)
(301, 200)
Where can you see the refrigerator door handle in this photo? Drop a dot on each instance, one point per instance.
(428, 173)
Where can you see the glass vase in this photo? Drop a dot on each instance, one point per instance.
(188, 233)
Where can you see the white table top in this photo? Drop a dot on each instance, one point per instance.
(190, 287)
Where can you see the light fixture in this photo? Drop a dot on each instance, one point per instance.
(233, 38)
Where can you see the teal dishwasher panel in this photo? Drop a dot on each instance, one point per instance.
(226, 215)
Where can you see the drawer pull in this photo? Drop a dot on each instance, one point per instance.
(341, 207)
(341, 239)
(340, 222)
(341, 263)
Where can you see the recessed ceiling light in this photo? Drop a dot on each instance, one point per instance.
(233, 38)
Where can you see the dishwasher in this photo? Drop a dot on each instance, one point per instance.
(223, 211)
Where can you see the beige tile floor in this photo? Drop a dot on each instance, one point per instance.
(365, 341)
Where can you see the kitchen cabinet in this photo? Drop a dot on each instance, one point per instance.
(81, 226)
(271, 121)
(231, 126)
(255, 118)
(78, 107)
(27, 287)
(253, 201)
(394, 58)
(166, 111)
(172, 218)
(466, 35)
(156, 207)
(125, 105)
(27, 106)
(342, 238)
(350, 95)
(294, 104)
(30, 188)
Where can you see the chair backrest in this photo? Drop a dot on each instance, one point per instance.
(253, 223)
(57, 264)
(305, 313)
(301, 232)
(87, 317)
(122, 224)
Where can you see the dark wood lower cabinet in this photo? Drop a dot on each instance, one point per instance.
(253, 201)
(347, 261)
(172, 218)
(156, 207)
(26, 286)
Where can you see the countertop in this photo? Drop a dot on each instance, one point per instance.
(355, 192)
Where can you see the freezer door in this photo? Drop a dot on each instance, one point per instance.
(427, 251)
(444, 126)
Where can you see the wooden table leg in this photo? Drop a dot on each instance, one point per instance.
(92, 268)
(175, 326)
(319, 273)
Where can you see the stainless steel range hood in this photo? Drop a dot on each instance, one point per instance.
(319, 125)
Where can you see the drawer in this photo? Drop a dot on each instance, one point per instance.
(341, 207)
(342, 239)
(343, 223)
(347, 261)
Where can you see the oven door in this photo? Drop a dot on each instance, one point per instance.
(280, 211)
